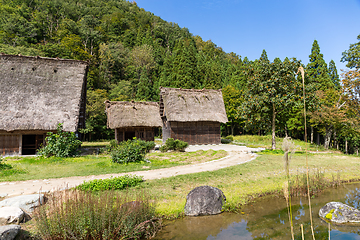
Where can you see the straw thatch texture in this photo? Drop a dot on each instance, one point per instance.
(132, 114)
(191, 105)
(39, 93)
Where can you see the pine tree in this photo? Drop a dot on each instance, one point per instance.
(184, 72)
(264, 57)
(317, 69)
(334, 76)
(144, 89)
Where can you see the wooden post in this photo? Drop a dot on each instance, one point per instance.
(20, 144)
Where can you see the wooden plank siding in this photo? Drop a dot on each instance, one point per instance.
(10, 144)
(193, 132)
(143, 133)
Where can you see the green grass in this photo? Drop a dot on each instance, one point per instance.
(265, 142)
(243, 183)
(27, 168)
(95, 144)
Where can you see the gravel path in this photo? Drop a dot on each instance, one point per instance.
(237, 155)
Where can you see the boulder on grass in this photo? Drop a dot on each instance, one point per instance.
(11, 215)
(204, 200)
(26, 202)
(339, 213)
(9, 232)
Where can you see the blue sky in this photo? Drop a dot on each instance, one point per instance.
(284, 28)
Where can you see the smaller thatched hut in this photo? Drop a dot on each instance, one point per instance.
(133, 119)
(191, 115)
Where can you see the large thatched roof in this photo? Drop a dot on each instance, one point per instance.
(132, 114)
(189, 105)
(39, 93)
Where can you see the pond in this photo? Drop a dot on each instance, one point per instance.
(267, 218)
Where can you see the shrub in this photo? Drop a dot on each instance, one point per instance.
(172, 144)
(230, 137)
(74, 214)
(113, 144)
(4, 166)
(225, 141)
(131, 151)
(60, 144)
(117, 183)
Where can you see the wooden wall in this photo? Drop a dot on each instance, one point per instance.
(193, 132)
(10, 144)
(143, 133)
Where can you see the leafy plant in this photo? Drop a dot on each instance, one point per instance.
(230, 137)
(172, 144)
(74, 214)
(4, 166)
(131, 151)
(60, 144)
(225, 141)
(117, 183)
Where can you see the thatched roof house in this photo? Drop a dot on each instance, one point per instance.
(133, 119)
(36, 95)
(192, 115)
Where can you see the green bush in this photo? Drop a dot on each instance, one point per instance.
(131, 151)
(4, 166)
(75, 214)
(60, 144)
(117, 183)
(230, 137)
(113, 144)
(172, 144)
(225, 141)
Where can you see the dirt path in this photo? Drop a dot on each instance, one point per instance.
(237, 155)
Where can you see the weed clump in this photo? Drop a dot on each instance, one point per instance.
(74, 214)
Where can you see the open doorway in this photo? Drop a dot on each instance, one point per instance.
(129, 135)
(31, 143)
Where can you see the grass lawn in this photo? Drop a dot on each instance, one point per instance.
(265, 142)
(26, 168)
(262, 176)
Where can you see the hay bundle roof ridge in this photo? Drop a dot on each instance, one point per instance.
(189, 105)
(132, 114)
(38, 93)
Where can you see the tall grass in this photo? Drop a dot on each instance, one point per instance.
(74, 214)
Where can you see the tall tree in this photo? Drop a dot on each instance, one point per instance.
(317, 68)
(352, 55)
(334, 76)
(264, 57)
(272, 89)
(232, 100)
(182, 69)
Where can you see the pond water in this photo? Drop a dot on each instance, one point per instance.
(268, 218)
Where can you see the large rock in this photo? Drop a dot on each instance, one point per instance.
(25, 202)
(9, 232)
(339, 213)
(11, 215)
(204, 200)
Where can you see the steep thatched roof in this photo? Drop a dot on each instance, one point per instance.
(132, 114)
(189, 105)
(39, 93)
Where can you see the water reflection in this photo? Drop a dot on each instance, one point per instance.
(268, 219)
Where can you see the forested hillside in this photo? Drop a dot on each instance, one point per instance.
(132, 53)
